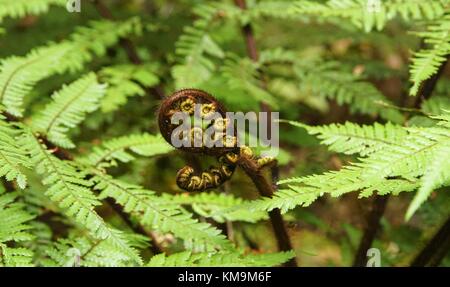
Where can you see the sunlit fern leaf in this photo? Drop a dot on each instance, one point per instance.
(220, 259)
(370, 14)
(12, 156)
(14, 228)
(426, 62)
(216, 206)
(118, 149)
(125, 81)
(72, 192)
(68, 108)
(350, 138)
(160, 214)
(21, 8)
(18, 75)
(402, 167)
(436, 175)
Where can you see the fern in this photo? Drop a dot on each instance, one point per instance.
(196, 48)
(12, 156)
(368, 15)
(329, 80)
(125, 81)
(68, 109)
(220, 259)
(394, 168)
(18, 75)
(351, 138)
(426, 62)
(14, 227)
(83, 251)
(117, 149)
(21, 8)
(72, 192)
(160, 214)
(216, 206)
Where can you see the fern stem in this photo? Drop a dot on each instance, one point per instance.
(263, 186)
(266, 189)
(372, 226)
(436, 249)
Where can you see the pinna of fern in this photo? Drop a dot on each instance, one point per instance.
(393, 159)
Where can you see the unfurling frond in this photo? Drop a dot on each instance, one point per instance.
(68, 109)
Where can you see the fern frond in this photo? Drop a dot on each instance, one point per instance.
(331, 81)
(350, 138)
(12, 156)
(242, 74)
(220, 259)
(406, 166)
(426, 62)
(368, 15)
(159, 214)
(21, 8)
(437, 174)
(14, 227)
(18, 75)
(216, 206)
(69, 188)
(83, 251)
(125, 81)
(68, 109)
(117, 149)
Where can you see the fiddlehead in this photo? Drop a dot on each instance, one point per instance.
(210, 135)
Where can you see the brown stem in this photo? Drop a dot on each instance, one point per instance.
(379, 204)
(266, 189)
(436, 249)
(263, 186)
(372, 226)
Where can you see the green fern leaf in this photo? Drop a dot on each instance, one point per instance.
(68, 109)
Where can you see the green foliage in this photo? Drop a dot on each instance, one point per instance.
(220, 259)
(372, 14)
(22, 8)
(392, 161)
(117, 149)
(68, 109)
(126, 81)
(426, 62)
(12, 156)
(335, 70)
(14, 227)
